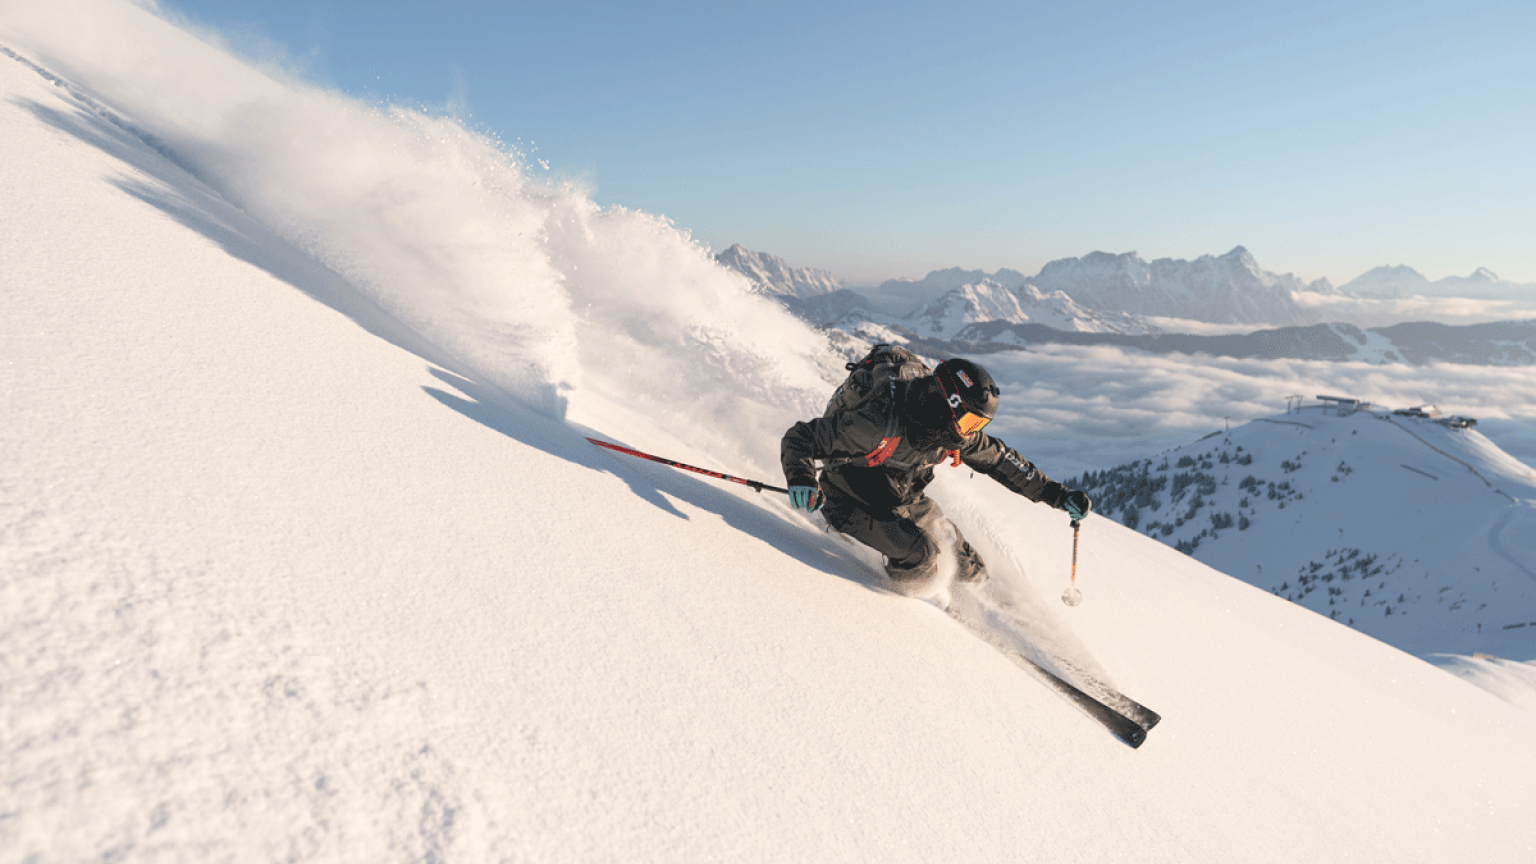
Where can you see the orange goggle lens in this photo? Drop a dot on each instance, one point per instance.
(970, 424)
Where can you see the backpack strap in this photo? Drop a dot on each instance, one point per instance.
(879, 455)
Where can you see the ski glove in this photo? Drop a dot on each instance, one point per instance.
(1077, 505)
(806, 498)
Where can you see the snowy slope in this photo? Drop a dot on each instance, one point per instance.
(902, 297)
(305, 556)
(955, 313)
(1415, 532)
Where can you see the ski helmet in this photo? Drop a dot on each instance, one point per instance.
(970, 393)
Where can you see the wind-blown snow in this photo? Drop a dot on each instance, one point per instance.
(527, 283)
(305, 556)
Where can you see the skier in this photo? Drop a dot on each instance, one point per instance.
(878, 457)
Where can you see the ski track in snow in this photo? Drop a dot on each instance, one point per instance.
(1525, 516)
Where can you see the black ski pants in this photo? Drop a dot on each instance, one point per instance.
(910, 538)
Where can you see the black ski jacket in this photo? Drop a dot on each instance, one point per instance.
(850, 442)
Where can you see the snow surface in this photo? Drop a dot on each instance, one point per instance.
(305, 557)
(1311, 505)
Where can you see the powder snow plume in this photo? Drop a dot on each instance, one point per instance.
(523, 281)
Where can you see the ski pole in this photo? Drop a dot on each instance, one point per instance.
(1072, 596)
(757, 485)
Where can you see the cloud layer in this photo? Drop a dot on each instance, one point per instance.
(1072, 408)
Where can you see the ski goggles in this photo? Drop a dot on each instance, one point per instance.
(969, 424)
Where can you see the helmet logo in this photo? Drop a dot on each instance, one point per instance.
(964, 379)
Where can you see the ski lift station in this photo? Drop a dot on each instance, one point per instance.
(1344, 406)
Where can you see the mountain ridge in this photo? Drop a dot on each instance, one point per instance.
(1225, 289)
(1006, 310)
(1230, 288)
(1319, 506)
(773, 275)
(1399, 281)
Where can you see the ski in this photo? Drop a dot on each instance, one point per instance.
(1138, 713)
(1124, 717)
(1119, 725)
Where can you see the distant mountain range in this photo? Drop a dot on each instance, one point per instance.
(1402, 281)
(773, 275)
(988, 301)
(1104, 299)
(1226, 289)
(1100, 292)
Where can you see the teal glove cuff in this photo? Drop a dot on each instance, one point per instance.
(1077, 505)
(807, 498)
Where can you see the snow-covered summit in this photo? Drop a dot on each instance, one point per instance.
(1399, 281)
(959, 300)
(966, 304)
(987, 301)
(1482, 283)
(1387, 281)
(1230, 288)
(939, 282)
(773, 275)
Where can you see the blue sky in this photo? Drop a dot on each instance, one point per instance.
(885, 139)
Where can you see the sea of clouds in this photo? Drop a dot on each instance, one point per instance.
(1072, 408)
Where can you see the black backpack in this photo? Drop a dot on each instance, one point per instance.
(883, 364)
(880, 369)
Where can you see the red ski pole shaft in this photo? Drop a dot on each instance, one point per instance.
(756, 485)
